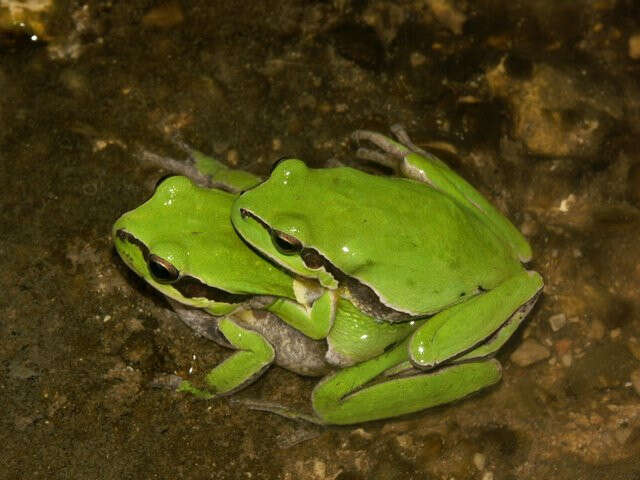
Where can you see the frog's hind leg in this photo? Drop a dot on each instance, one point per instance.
(255, 354)
(478, 327)
(362, 392)
(415, 163)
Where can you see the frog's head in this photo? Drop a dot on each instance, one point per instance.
(346, 228)
(181, 242)
(267, 217)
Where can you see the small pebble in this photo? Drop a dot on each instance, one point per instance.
(416, 59)
(529, 352)
(487, 476)
(479, 460)
(634, 46)
(276, 144)
(563, 346)
(615, 333)
(233, 157)
(557, 321)
(597, 329)
(566, 359)
(635, 380)
(164, 15)
(362, 433)
(306, 100)
(622, 435)
(634, 347)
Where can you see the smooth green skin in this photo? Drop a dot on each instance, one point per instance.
(431, 245)
(172, 224)
(185, 224)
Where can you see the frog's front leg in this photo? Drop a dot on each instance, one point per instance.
(477, 327)
(255, 354)
(355, 395)
(415, 163)
(314, 320)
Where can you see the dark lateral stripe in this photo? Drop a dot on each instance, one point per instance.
(365, 297)
(189, 287)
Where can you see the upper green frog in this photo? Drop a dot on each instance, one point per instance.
(398, 248)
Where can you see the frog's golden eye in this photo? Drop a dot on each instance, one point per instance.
(161, 270)
(285, 244)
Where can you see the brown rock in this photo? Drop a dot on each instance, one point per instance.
(529, 352)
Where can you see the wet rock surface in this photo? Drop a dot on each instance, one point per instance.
(535, 103)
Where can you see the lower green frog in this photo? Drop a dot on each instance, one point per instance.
(182, 243)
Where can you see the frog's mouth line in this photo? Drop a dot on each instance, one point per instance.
(187, 285)
(362, 295)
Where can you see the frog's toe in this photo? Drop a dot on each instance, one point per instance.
(381, 141)
(277, 409)
(377, 157)
(403, 137)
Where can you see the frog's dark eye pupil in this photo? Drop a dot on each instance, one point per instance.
(161, 270)
(285, 244)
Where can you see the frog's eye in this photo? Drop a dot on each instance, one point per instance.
(285, 244)
(278, 162)
(161, 270)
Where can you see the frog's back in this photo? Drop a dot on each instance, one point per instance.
(417, 248)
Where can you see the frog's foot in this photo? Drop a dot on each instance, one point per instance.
(202, 169)
(478, 327)
(254, 355)
(401, 155)
(176, 383)
(174, 166)
(279, 410)
(403, 137)
(390, 155)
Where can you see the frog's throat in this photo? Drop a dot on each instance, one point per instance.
(363, 296)
(188, 286)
